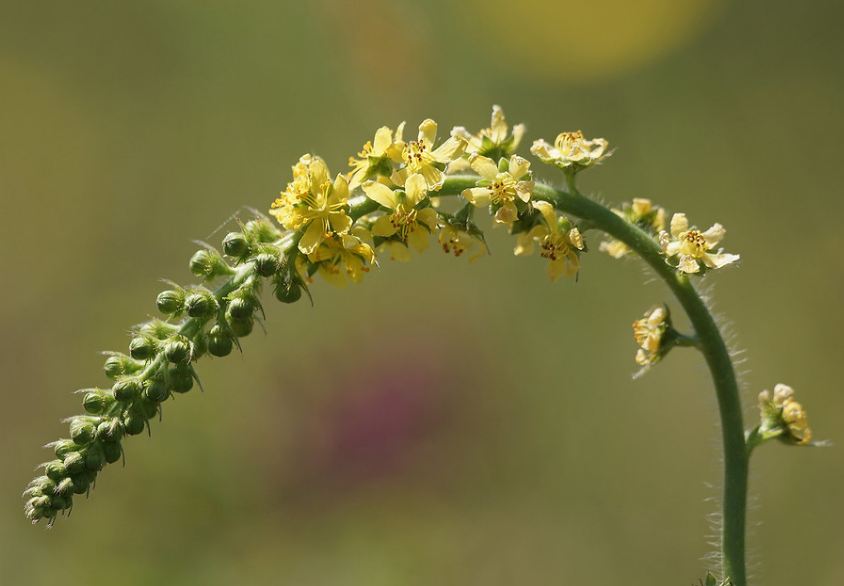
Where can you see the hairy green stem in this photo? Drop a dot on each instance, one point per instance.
(710, 343)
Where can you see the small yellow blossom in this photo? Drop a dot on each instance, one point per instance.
(407, 221)
(459, 242)
(421, 157)
(501, 188)
(693, 250)
(643, 214)
(313, 203)
(781, 413)
(343, 257)
(571, 151)
(560, 243)
(377, 157)
(496, 141)
(648, 333)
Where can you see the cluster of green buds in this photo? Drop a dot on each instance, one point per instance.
(161, 356)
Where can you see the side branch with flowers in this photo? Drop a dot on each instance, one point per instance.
(394, 199)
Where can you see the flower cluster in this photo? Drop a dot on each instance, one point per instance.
(642, 213)
(691, 250)
(783, 417)
(333, 226)
(649, 333)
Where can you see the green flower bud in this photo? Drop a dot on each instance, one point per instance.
(142, 347)
(178, 350)
(94, 457)
(207, 264)
(127, 389)
(37, 506)
(112, 451)
(110, 430)
(64, 487)
(74, 462)
(240, 308)
(81, 483)
(41, 485)
(133, 423)
(241, 327)
(55, 470)
(266, 264)
(200, 304)
(199, 347)
(147, 409)
(158, 330)
(117, 365)
(219, 342)
(156, 390)
(261, 230)
(170, 302)
(180, 378)
(82, 430)
(60, 502)
(63, 447)
(288, 291)
(97, 401)
(236, 245)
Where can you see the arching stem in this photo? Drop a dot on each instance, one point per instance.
(711, 344)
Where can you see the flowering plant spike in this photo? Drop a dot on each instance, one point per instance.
(395, 197)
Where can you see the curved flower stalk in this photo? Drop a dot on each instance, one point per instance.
(331, 228)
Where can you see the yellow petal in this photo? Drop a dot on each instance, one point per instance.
(679, 224)
(418, 239)
(428, 131)
(383, 139)
(547, 211)
(449, 150)
(312, 237)
(507, 213)
(383, 227)
(478, 196)
(518, 167)
(484, 167)
(381, 193)
(416, 188)
(714, 235)
(716, 261)
(340, 222)
(340, 193)
(428, 216)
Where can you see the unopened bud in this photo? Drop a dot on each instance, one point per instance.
(74, 463)
(241, 327)
(97, 401)
(55, 470)
(241, 308)
(94, 457)
(82, 430)
(219, 342)
(287, 291)
(133, 423)
(112, 451)
(178, 350)
(266, 264)
(170, 302)
(261, 230)
(236, 245)
(156, 390)
(110, 430)
(201, 304)
(127, 389)
(117, 365)
(180, 378)
(142, 347)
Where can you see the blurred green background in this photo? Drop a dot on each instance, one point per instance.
(438, 424)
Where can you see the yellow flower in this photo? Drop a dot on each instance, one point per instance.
(693, 250)
(643, 214)
(494, 142)
(781, 413)
(343, 257)
(459, 242)
(407, 221)
(377, 157)
(421, 157)
(560, 243)
(648, 333)
(571, 151)
(501, 188)
(311, 202)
